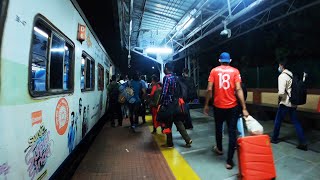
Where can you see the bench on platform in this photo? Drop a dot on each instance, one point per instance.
(263, 111)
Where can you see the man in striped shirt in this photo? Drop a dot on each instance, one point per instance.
(169, 86)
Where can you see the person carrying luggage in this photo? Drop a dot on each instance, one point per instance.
(225, 80)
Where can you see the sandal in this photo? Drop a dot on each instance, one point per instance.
(216, 150)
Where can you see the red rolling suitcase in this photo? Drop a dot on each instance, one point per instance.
(255, 158)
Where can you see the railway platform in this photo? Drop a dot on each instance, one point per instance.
(116, 153)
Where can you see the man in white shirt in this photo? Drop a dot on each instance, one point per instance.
(285, 106)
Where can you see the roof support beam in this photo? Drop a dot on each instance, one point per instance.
(231, 19)
(201, 4)
(268, 21)
(162, 15)
(144, 55)
(144, 8)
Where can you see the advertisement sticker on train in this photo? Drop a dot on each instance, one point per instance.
(62, 116)
(36, 117)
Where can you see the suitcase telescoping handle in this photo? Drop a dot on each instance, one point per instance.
(240, 126)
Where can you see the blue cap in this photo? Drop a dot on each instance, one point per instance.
(224, 57)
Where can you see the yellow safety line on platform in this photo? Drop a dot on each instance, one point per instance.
(178, 165)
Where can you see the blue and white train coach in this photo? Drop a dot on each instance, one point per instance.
(53, 77)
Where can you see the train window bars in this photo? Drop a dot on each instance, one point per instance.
(87, 80)
(100, 77)
(51, 61)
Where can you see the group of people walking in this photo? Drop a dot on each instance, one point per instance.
(224, 86)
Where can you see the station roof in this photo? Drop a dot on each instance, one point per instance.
(182, 24)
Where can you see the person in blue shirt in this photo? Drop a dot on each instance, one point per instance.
(135, 102)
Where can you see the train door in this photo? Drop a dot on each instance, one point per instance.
(107, 83)
(102, 94)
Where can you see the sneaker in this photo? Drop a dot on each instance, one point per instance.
(167, 146)
(188, 144)
(303, 147)
(217, 151)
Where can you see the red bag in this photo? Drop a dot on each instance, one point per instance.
(256, 158)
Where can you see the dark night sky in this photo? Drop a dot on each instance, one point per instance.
(101, 18)
(104, 21)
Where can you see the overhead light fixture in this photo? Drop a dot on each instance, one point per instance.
(225, 31)
(163, 50)
(188, 23)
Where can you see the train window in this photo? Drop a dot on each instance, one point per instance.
(51, 61)
(100, 77)
(67, 71)
(87, 73)
(56, 62)
(40, 46)
(82, 72)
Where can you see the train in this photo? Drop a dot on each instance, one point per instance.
(54, 73)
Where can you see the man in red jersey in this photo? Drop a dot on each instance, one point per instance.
(226, 81)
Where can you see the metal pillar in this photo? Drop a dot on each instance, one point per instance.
(160, 60)
(194, 64)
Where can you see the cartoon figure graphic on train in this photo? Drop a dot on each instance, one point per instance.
(72, 132)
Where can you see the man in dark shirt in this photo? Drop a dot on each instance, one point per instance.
(192, 94)
(169, 84)
(114, 105)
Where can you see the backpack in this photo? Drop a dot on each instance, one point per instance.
(127, 93)
(181, 90)
(298, 91)
(191, 89)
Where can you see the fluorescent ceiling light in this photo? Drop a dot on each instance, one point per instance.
(163, 50)
(188, 23)
(40, 32)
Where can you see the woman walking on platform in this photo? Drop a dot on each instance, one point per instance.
(154, 100)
